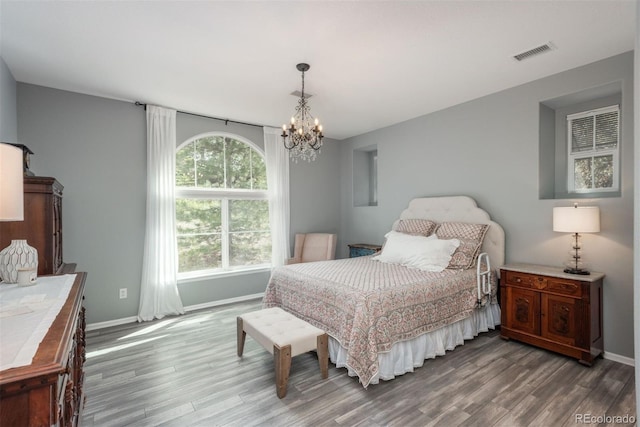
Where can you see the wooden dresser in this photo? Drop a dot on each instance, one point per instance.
(42, 225)
(49, 392)
(549, 308)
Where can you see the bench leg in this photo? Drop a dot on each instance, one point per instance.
(241, 336)
(282, 358)
(323, 354)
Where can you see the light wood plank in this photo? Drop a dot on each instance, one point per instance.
(185, 371)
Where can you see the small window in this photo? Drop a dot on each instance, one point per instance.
(593, 144)
(222, 212)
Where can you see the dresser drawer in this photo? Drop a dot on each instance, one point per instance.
(546, 283)
(525, 280)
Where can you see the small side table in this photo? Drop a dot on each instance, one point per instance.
(548, 308)
(363, 249)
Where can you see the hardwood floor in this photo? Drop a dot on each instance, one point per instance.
(184, 371)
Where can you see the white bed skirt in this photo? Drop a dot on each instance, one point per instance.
(407, 355)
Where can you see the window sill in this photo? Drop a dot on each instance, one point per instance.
(571, 196)
(198, 276)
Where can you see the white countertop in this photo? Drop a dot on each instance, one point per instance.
(26, 314)
(552, 271)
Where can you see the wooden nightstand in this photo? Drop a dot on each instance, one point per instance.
(548, 308)
(362, 249)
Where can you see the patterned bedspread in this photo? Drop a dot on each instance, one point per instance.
(368, 305)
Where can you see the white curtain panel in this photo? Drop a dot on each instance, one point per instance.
(159, 288)
(277, 162)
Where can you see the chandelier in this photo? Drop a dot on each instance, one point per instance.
(303, 137)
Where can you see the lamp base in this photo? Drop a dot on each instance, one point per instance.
(577, 271)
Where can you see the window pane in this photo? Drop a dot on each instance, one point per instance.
(248, 215)
(259, 171)
(607, 130)
(209, 156)
(249, 248)
(603, 171)
(250, 239)
(195, 216)
(199, 252)
(238, 157)
(582, 174)
(199, 234)
(581, 134)
(185, 166)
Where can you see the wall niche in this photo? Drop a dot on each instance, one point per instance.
(365, 176)
(553, 155)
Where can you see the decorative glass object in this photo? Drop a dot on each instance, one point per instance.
(17, 255)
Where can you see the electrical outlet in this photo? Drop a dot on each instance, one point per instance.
(123, 293)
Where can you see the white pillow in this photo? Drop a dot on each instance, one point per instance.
(424, 253)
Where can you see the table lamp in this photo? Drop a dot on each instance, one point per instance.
(11, 183)
(18, 254)
(576, 219)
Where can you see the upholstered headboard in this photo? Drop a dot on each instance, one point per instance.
(460, 209)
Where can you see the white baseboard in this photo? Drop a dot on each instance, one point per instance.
(620, 359)
(223, 302)
(133, 319)
(109, 323)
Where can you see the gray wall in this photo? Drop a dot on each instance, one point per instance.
(546, 153)
(315, 194)
(488, 149)
(96, 148)
(8, 109)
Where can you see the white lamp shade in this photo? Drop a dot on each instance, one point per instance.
(11, 183)
(577, 219)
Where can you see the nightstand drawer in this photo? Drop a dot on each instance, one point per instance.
(565, 287)
(526, 280)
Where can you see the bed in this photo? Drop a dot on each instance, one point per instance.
(385, 319)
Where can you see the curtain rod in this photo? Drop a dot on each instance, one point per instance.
(226, 121)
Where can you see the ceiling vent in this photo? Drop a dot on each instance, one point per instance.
(547, 47)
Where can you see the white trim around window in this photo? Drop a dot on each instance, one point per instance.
(593, 152)
(224, 196)
(214, 193)
(200, 275)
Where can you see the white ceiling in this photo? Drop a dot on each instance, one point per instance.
(373, 63)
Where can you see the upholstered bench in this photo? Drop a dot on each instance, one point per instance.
(284, 336)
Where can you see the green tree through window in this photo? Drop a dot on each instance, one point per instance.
(222, 212)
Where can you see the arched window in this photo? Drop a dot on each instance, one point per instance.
(222, 212)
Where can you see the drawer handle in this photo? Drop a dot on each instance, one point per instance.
(518, 280)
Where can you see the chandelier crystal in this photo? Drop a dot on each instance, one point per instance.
(303, 137)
